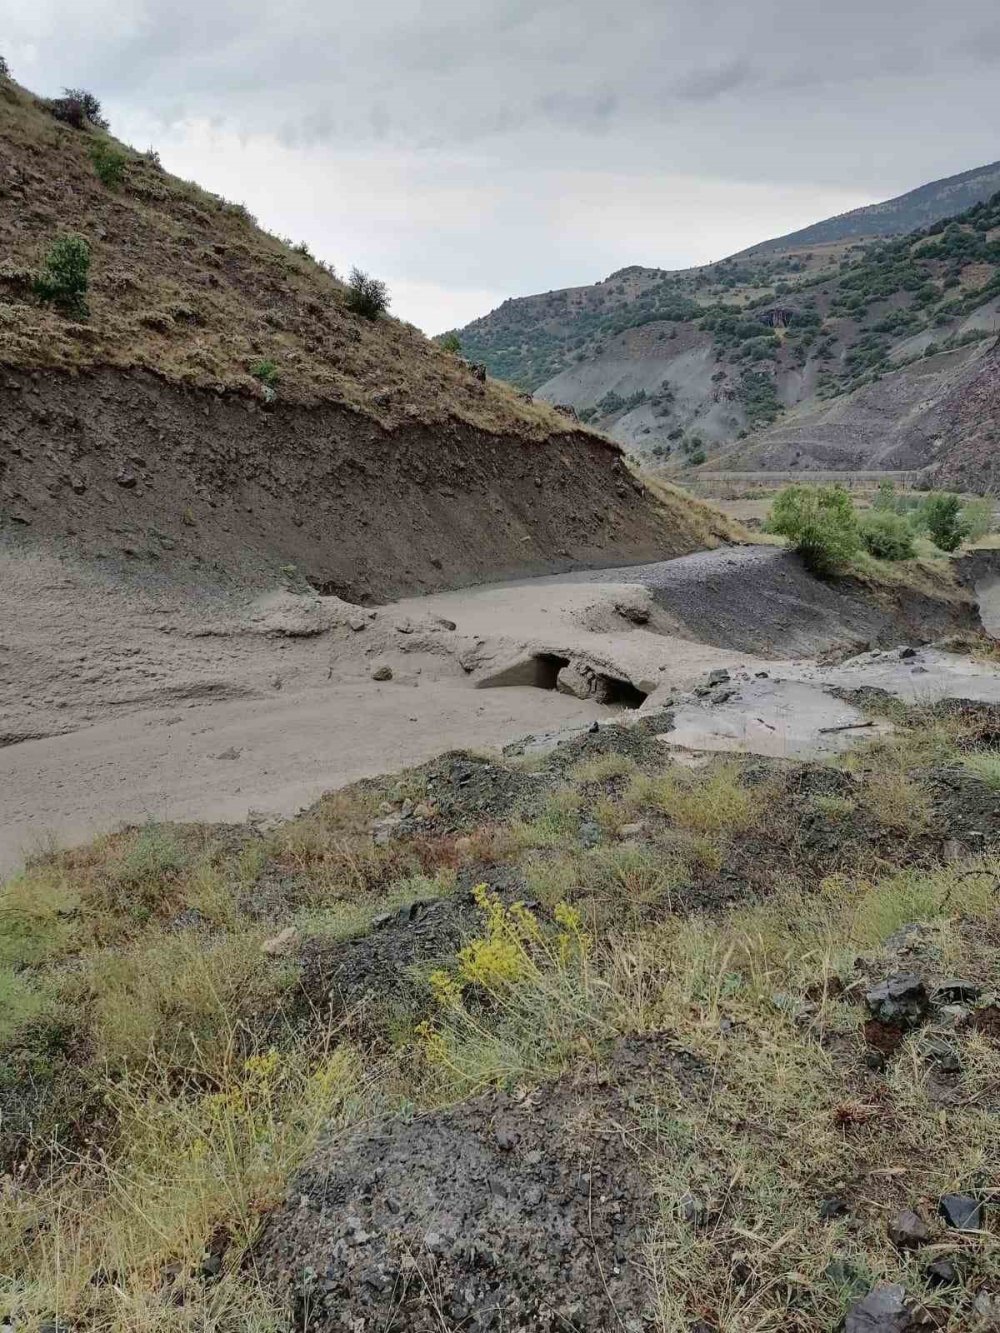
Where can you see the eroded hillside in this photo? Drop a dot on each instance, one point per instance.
(214, 399)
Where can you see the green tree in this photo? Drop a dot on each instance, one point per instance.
(450, 342)
(820, 523)
(366, 295)
(942, 515)
(65, 275)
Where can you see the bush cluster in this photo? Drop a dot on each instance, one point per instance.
(887, 536)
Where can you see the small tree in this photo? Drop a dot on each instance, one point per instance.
(4, 69)
(977, 515)
(65, 275)
(78, 108)
(450, 342)
(366, 295)
(942, 515)
(887, 535)
(820, 522)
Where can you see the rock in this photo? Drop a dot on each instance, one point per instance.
(126, 479)
(761, 675)
(382, 672)
(900, 1000)
(506, 1139)
(953, 990)
(831, 1208)
(953, 851)
(724, 695)
(942, 1273)
(593, 729)
(718, 677)
(986, 1310)
(282, 944)
(942, 1054)
(905, 653)
(883, 1310)
(961, 1212)
(575, 680)
(383, 829)
(357, 623)
(631, 830)
(423, 811)
(908, 1230)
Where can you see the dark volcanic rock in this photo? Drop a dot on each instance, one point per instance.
(900, 1000)
(961, 1212)
(502, 1213)
(883, 1310)
(908, 1230)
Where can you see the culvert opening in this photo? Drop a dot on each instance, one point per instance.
(545, 668)
(620, 693)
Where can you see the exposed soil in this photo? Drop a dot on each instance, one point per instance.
(508, 1212)
(130, 469)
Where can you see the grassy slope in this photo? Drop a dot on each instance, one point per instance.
(162, 1077)
(185, 284)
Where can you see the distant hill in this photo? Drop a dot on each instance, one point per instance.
(530, 340)
(907, 212)
(680, 366)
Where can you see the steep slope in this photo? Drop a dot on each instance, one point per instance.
(222, 404)
(673, 364)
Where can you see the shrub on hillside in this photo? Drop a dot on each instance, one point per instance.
(977, 516)
(820, 523)
(266, 372)
(942, 516)
(366, 295)
(4, 69)
(450, 342)
(109, 163)
(65, 275)
(887, 536)
(78, 108)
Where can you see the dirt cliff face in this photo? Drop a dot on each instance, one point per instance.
(126, 466)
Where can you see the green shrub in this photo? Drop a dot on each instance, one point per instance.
(267, 372)
(109, 163)
(977, 516)
(450, 342)
(65, 275)
(887, 536)
(942, 516)
(4, 69)
(366, 295)
(820, 523)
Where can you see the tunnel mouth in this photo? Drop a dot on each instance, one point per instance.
(617, 693)
(545, 668)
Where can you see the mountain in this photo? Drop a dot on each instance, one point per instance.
(214, 400)
(674, 365)
(907, 212)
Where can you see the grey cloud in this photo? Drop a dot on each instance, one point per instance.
(514, 104)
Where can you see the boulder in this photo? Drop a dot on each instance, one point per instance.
(908, 1230)
(883, 1310)
(900, 1000)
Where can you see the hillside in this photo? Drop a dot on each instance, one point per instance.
(221, 405)
(917, 208)
(674, 364)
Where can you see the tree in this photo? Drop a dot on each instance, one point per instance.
(450, 342)
(821, 524)
(366, 295)
(942, 515)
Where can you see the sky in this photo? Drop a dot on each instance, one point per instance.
(470, 152)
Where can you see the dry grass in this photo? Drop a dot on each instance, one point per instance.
(198, 1080)
(184, 283)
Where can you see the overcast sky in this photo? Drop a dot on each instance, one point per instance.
(468, 152)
